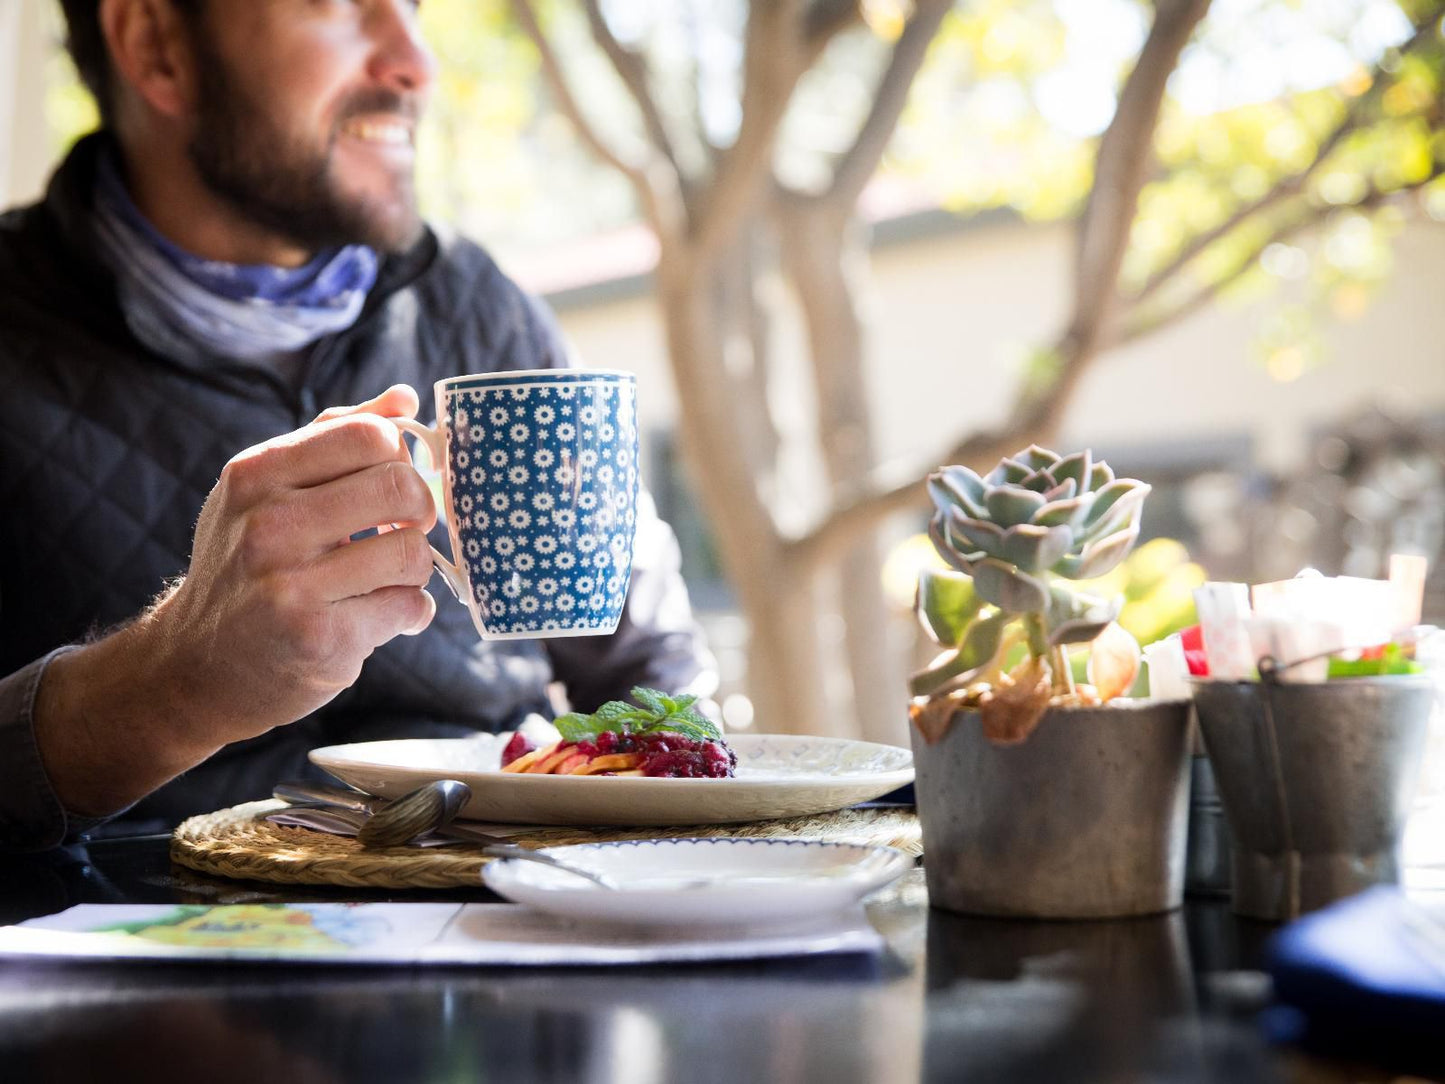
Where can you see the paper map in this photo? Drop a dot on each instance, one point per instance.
(408, 933)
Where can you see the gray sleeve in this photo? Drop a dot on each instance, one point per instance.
(31, 816)
(657, 642)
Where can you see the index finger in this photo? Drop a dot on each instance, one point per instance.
(398, 401)
(322, 452)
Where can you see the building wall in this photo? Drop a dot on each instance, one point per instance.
(26, 41)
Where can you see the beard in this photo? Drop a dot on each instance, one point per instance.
(282, 183)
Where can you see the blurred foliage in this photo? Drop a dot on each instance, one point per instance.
(1005, 114)
(974, 130)
(70, 111)
(494, 159)
(1157, 581)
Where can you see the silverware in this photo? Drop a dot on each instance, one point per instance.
(335, 820)
(508, 851)
(324, 794)
(430, 807)
(425, 813)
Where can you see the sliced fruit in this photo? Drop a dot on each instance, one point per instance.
(613, 762)
(526, 760)
(572, 763)
(549, 764)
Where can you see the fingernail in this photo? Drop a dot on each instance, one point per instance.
(426, 620)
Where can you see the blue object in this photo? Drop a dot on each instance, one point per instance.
(1364, 978)
(902, 798)
(541, 497)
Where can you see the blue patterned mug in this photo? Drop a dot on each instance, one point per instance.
(539, 495)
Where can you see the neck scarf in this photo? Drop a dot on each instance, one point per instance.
(188, 308)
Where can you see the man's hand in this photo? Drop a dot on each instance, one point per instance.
(275, 616)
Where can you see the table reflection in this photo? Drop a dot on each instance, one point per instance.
(951, 998)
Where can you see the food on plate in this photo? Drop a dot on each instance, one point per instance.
(659, 735)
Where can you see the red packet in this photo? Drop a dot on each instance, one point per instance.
(1192, 640)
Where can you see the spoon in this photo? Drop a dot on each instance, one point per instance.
(431, 806)
(505, 851)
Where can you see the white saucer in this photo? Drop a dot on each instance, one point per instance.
(748, 880)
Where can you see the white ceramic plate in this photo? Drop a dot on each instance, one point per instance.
(743, 880)
(778, 775)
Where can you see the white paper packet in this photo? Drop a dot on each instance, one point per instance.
(1168, 670)
(1223, 610)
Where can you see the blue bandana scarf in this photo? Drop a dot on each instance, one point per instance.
(187, 308)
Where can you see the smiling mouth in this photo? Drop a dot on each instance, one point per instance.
(387, 133)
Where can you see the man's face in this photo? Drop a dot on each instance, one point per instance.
(306, 116)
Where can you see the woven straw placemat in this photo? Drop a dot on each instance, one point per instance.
(240, 843)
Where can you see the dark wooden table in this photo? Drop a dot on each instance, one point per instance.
(1168, 998)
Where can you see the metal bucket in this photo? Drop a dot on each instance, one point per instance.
(1207, 864)
(1084, 819)
(1316, 781)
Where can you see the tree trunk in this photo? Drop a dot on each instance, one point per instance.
(777, 599)
(825, 256)
(786, 676)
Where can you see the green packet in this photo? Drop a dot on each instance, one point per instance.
(1392, 661)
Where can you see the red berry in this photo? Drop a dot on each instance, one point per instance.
(516, 747)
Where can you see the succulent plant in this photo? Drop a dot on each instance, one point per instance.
(1016, 537)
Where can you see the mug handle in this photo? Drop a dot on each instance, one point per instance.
(431, 441)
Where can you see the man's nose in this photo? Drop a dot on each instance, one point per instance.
(402, 59)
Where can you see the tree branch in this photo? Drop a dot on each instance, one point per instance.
(632, 71)
(825, 20)
(895, 487)
(1286, 186)
(566, 100)
(1123, 157)
(782, 43)
(657, 186)
(892, 488)
(861, 160)
(694, 84)
(1149, 323)
(1121, 163)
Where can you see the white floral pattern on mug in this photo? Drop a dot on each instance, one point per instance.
(547, 490)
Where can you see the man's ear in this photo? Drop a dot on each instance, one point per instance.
(151, 52)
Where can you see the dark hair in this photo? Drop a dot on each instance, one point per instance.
(85, 42)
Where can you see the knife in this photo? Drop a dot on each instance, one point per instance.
(327, 796)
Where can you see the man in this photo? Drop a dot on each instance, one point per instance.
(239, 244)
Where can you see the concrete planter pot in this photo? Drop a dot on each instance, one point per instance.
(1316, 781)
(1085, 819)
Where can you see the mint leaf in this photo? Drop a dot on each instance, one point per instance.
(620, 712)
(697, 727)
(658, 712)
(574, 726)
(650, 699)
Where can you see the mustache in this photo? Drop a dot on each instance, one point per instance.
(375, 100)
